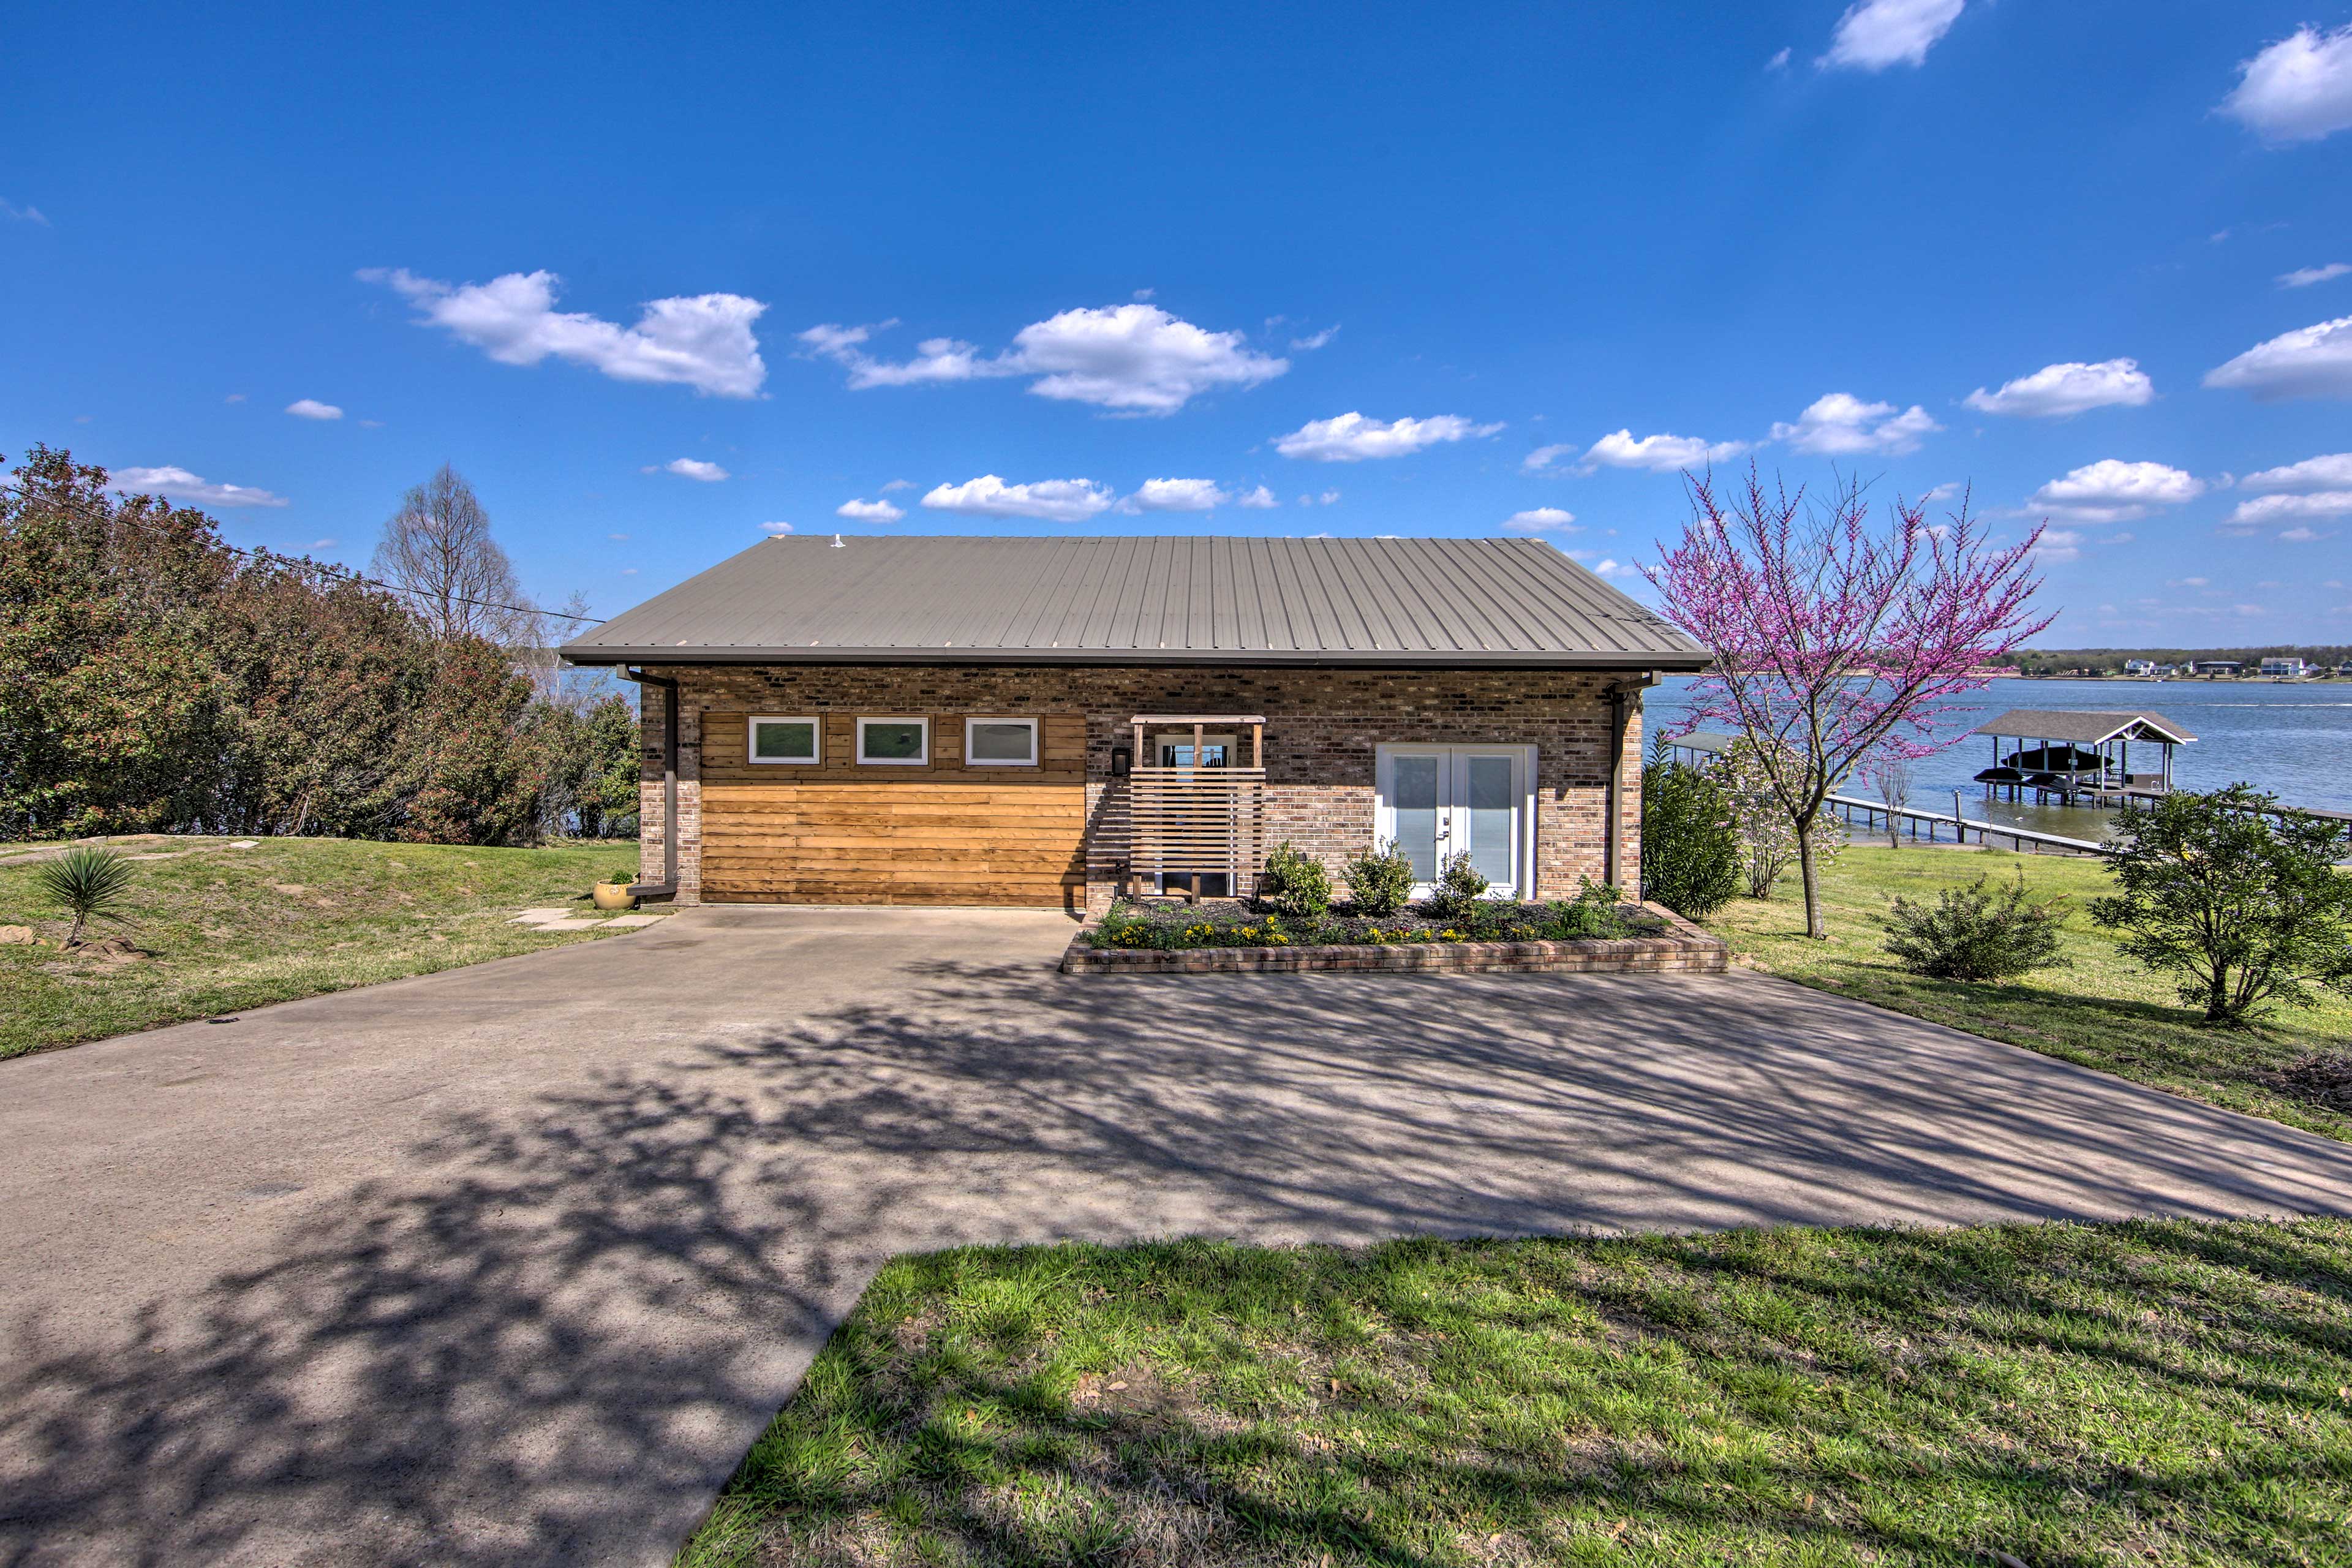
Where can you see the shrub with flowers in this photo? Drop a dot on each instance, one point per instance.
(1594, 914)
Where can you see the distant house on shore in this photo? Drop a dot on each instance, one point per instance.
(2139, 667)
(2214, 667)
(2285, 669)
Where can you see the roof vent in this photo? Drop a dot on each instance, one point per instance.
(836, 542)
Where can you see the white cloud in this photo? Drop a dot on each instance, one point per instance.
(181, 484)
(2058, 544)
(702, 340)
(1053, 500)
(2333, 472)
(2110, 491)
(2304, 277)
(2279, 508)
(1328, 498)
(1605, 567)
(312, 408)
(690, 469)
(1842, 425)
(2298, 90)
(1350, 437)
(1875, 34)
(772, 530)
(1541, 459)
(1540, 520)
(1779, 61)
(869, 511)
(1135, 358)
(2310, 362)
(1309, 345)
(1177, 495)
(897, 485)
(2057, 390)
(234, 398)
(2302, 535)
(371, 424)
(1660, 454)
(31, 215)
(1258, 500)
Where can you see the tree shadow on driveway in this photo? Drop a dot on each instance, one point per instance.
(551, 1332)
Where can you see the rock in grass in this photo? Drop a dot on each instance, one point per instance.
(18, 936)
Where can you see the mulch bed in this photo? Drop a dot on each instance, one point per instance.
(2323, 1080)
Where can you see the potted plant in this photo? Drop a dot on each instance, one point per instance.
(612, 892)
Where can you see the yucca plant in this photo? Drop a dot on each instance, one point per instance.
(89, 882)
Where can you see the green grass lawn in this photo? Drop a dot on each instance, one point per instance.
(2105, 1012)
(2171, 1393)
(230, 929)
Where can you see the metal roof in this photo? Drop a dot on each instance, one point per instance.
(1156, 600)
(2082, 729)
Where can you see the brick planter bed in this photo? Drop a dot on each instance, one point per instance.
(1681, 949)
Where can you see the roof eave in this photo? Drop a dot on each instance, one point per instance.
(1659, 659)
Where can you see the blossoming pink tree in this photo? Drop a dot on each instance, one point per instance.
(1837, 640)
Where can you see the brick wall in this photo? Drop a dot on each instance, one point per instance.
(1320, 731)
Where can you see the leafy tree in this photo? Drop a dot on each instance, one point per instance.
(153, 679)
(1690, 849)
(2247, 911)
(475, 778)
(590, 766)
(1768, 839)
(1835, 640)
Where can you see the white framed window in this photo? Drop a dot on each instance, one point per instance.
(999, 743)
(1437, 802)
(777, 738)
(900, 742)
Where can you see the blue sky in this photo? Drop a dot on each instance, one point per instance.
(1424, 261)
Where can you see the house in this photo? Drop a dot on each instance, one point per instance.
(2142, 667)
(2214, 667)
(1056, 721)
(2282, 668)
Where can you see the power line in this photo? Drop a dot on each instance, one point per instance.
(344, 573)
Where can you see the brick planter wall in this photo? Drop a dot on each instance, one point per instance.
(1681, 949)
(1321, 729)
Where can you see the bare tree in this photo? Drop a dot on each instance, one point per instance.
(1892, 774)
(438, 551)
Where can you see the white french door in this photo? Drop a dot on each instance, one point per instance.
(1438, 802)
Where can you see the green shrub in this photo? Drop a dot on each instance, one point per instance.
(1460, 888)
(1381, 881)
(88, 882)
(1691, 855)
(1293, 883)
(1974, 933)
(2244, 910)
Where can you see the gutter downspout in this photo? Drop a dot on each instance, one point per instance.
(1622, 698)
(668, 887)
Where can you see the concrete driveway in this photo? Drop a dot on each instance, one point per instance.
(508, 1265)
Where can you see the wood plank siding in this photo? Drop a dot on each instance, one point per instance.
(839, 831)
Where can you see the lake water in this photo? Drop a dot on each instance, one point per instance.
(2293, 740)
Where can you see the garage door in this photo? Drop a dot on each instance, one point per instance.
(938, 830)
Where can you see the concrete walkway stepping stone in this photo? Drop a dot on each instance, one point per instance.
(570, 923)
(539, 917)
